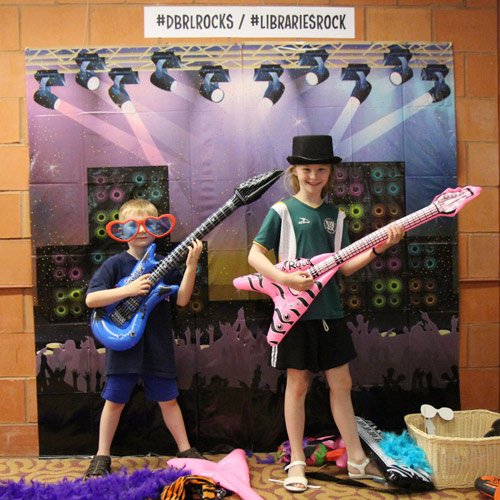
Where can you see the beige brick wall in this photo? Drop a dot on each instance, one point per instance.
(472, 27)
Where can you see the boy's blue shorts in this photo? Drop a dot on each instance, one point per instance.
(118, 388)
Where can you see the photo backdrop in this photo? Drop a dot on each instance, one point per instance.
(184, 125)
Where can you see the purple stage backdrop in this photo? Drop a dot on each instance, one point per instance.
(182, 126)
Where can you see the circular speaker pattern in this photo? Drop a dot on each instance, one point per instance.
(393, 188)
(59, 273)
(139, 178)
(61, 311)
(355, 174)
(394, 264)
(340, 174)
(59, 259)
(415, 285)
(378, 264)
(430, 285)
(394, 300)
(100, 232)
(378, 189)
(356, 226)
(101, 195)
(394, 210)
(340, 190)
(97, 258)
(378, 210)
(379, 301)
(415, 264)
(415, 300)
(100, 217)
(76, 310)
(356, 189)
(377, 173)
(430, 299)
(116, 194)
(60, 295)
(430, 263)
(354, 302)
(394, 285)
(75, 273)
(378, 286)
(415, 249)
(356, 211)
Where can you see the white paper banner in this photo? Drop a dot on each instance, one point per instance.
(248, 22)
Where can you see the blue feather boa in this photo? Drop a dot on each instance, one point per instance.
(404, 450)
(140, 485)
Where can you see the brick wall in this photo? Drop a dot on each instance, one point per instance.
(472, 26)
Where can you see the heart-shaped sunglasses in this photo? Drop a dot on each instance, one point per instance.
(128, 230)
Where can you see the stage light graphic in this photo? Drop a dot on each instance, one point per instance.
(437, 73)
(163, 61)
(89, 62)
(117, 92)
(47, 79)
(270, 73)
(358, 73)
(212, 76)
(398, 57)
(316, 60)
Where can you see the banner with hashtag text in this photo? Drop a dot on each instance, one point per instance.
(248, 22)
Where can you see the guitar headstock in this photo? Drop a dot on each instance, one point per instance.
(451, 201)
(253, 188)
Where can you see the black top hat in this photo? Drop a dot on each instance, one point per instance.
(312, 149)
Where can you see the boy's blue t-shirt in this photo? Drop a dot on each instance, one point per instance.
(154, 353)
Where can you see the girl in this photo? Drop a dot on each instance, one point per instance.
(303, 226)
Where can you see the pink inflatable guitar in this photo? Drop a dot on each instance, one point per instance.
(290, 305)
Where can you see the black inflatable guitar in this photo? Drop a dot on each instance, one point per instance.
(120, 326)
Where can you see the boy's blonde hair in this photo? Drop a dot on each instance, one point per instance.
(291, 181)
(139, 206)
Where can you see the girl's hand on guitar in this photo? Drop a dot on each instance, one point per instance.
(299, 280)
(140, 286)
(395, 234)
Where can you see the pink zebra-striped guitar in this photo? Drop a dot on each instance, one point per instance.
(290, 305)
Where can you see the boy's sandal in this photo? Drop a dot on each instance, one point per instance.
(191, 453)
(362, 474)
(291, 483)
(100, 466)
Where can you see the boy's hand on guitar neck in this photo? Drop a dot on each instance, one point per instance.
(140, 286)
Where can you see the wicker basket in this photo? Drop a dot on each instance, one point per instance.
(458, 453)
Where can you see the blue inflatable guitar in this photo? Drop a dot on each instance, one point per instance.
(120, 326)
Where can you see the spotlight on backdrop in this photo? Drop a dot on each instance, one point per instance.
(117, 92)
(398, 57)
(212, 76)
(89, 62)
(316, 60)
(270, 73)
(437, 73)
(48, 78)
(357, 73)
(163, 61)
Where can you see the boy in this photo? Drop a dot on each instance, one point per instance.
(152, 359)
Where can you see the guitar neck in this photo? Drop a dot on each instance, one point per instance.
(132, 303)
(337, 259)
(203, 229)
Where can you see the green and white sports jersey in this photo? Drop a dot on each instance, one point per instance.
(295, 230)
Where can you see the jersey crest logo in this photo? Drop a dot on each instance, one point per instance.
(303, 220)
(329, 225)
